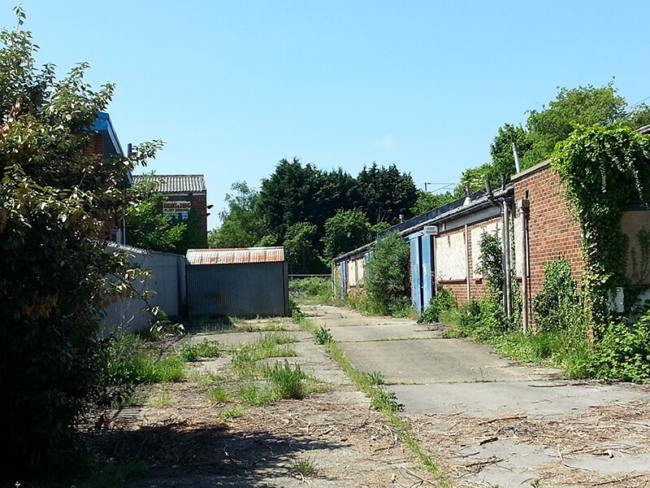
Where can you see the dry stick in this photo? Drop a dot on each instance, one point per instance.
(555, 385)
(516, 417)
(489, 439)
(424, 480)
(618, 481)
(483, 463)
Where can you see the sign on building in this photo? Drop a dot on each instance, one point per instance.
(178, 209)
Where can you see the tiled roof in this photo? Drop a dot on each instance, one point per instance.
(175, 183)
(236, 256)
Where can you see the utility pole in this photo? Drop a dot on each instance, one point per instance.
(425, 186)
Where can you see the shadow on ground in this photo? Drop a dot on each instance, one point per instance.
(206, 455)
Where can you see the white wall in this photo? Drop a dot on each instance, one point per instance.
(451, 257)
(476, 235)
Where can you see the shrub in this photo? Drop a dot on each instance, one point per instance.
(55, 197)
(624, 352)
(442, 301)
(557, 305)
(388, 286)
(316, 288)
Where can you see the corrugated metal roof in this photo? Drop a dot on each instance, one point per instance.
(175, 183)
(236, 256)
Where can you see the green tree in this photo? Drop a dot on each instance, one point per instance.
(637, 116)
(300, 254)
(428, 201)
(286, 196)
(53, 200)
(242, 224)
(585, 105)
(503, 159)
(388, 284)
(346, 231)
(386, 193)
(148, 227)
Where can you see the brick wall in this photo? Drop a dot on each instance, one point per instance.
(199, 204)
(96, 146)
(553, 229)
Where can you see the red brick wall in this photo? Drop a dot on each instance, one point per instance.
(199, 204)
(96, 146)
(553, 229)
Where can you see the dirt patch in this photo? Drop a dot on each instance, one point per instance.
(604, 446)
(328, 438)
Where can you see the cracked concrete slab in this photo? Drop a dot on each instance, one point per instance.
(486, 400)
(445, 379)
(426, 361)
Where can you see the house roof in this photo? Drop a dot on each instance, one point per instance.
(105, 127)
(175, 183)
(451, 211)
(236, 256)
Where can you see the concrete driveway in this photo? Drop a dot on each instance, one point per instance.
(443, 381)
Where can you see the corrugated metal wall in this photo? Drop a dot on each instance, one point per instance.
(167, 282)
(238, 290)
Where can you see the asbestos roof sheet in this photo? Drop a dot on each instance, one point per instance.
(236, 256)
(175, 183)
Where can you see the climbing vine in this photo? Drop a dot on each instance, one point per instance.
(603, 169)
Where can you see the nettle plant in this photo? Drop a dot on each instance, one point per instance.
(603, 169)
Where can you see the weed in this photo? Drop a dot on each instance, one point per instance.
(384, 400)
(442, 301)
(252, 395)
(268, 346)
(231, 413)
(375, 378)
(304, 465)
(272, 328)
(163, 398)
(363, 382)
(131, 362)
(286, 381)
(323, 336)
(218, 394)
(277, 339)
(295, 313)
(205, 349)
(205, 379)
(243, 362)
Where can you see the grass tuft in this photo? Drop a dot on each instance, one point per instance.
(218, 394)
(131, 361)
(205, 349)
(231, 413)
(304, 465)
(253, 395)
(286, 380)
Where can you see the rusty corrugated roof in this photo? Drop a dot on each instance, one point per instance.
(236, 255)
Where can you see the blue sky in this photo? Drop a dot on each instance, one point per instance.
(234, 86)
